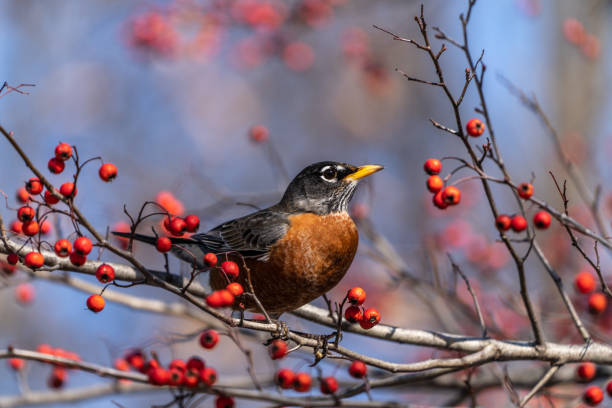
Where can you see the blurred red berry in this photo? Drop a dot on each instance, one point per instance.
(163, 244)
(34, 260)
(96, 303)
(503, 222)
(525, 190)
(214, 299)
(593, 395)
(235, 289)
(329, 385)
(475, 127)
(50, 198)
(209, 339)
(433, 166)
(12, 259)
(191, 378)
(68, 189)
(17, 227)
(177, 226)
(195, 364)
(169, 203)
(585, 282)
(258, 133)
(542, 219)
(358, 369)
(451, 195)
(63, 151)
(159, 376)
(224, 401)
(574, 31)
(597, 303)
(45, 227)
(121, 364)
(58, 377)
(284, 378)
(227, 299)
(438, 201)
(24, 293)
(277, 349)
(230, 268)
(356, 296)
(136, 359)
(30, 228)
(34, 186)
(178, 364)
(434, 184)
(16, 364)
(56, 166)
(107, 172)
(609, 388)
(208, 376)
(22, 195)
(193, 223)
(586, 371)
(26, 213)
(518, 223)
(105, 273)
(77, 259)
(298, 56)
(175, 377)
(63, 248)
(82, 245)
(302, 382)
(371, 317)
(210, 259)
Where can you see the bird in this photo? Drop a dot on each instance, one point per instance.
(294, 251)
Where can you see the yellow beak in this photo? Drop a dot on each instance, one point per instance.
(363, 171)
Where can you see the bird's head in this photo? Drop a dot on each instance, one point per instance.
(325, 187)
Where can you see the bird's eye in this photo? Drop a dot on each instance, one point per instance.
(329, 174)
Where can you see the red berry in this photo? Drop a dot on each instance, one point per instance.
(541, 219)
(451, 195)
(593, 395)
(163, 244)
(209, 339)
(177, 226)
(609, 388)
(503, 222)
(44, 349)
(518, 223)
(24, 293)
(302, 382)
(77, 259)
(525, 190)
(285, 378)
(438, 201)
(210, 259)
(176, 377)
(193, 223)
(16, 364)
(63, 151)
(434, 184)
(475, 127)
(433, 166)
(17, 227)
(56, 166)
(30, 228)
(258, 133)
(63, 248)
(586, 371)
(597, 303)
(108, 172)
(356, 296)
(158, 376)
(329, 385)
(105, 273)
(277, 349)
(12, 259)
(45, 227)
(95, 303)
(82, 245)
(34, 260)
(353, 314)
(26, 213)
(136, 359)
(34, 186)
(227, 299)
(58, 377)
(214, 299)
(358, 369)
(121, 364)
(50, 198)
(192, 378)
(371, 317)
(195, 364)
(208, 376)
(179, 365)
(224, 401)
(22, 195)
(68, 189)
(585, 282)
(235, 289)
(230, 268)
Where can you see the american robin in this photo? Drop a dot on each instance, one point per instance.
(296, 250)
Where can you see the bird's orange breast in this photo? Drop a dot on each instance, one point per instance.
(308, 261)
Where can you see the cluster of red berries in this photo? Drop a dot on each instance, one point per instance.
(178, 226)
(593, 395)
(442, 196)
(287, 379)
(26, 223)
(179, 373)
(576, 34)
(585, 283)
(224, 297)
(367, 318)
(59, 373)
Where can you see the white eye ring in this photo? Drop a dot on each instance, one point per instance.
(333, 176)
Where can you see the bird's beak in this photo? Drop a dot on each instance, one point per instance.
(363, 171)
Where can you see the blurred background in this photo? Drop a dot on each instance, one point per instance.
(168, 91)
